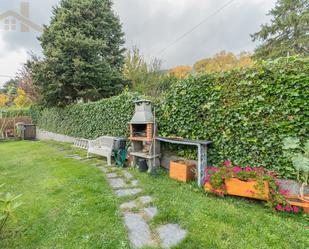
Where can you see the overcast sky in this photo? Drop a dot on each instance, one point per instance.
(152, 25)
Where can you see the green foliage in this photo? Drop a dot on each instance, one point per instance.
(298, 155)
(145, 78)
(106, 117)
(83, 54)
(245, 113)
(8, 206)
(288, 31)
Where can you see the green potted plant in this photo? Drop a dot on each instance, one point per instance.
(299, 155)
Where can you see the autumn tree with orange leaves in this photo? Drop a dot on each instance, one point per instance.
(180, 72)
(223, 61)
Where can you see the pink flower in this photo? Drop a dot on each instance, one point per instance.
(278, 183)
(283, 191)
(248, 169)
(222, 176)
(279, 207)
(237, 169)
(288, 209)
(214, 169)
(227, 163)
(295, 209)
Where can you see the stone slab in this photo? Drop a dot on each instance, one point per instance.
(127, 174)
(145, 199)
(128, 205)
(170, 235)
(103, 169)
(134, 183)
(111, 175)
(77, 157)
(117, 183)
(127, 192)
(150, 212)
(139, 232)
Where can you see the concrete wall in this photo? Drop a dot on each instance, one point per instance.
(46, 135)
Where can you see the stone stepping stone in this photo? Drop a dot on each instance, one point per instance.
(145, 199)
(77, 157)
(117, 183)
(127, 174)
(127, 192)
(128, 205)
(138, 229)
(111, 175)
(150, 212)
(134, 183)
(170, 235)
(104, 170)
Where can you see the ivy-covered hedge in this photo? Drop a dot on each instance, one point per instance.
(106, 117)
(246, 113)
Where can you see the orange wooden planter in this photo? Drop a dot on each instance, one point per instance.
(248, 189)
(182, 171)
(304, 203)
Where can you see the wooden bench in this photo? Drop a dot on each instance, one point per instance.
(102, 146)
(81, 143)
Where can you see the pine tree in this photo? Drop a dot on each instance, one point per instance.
(288, 32)
(83, 53)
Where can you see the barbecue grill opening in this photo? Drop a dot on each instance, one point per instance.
(139, 130)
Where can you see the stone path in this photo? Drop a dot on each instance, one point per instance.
(139, 211)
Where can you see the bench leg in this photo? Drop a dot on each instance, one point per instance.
(109, 161)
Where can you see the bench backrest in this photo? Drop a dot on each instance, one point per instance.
(106, 141)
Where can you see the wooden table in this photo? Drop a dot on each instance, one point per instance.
(201, 152)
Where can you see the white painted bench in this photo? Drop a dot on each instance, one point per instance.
(102, 146)
(81, 143)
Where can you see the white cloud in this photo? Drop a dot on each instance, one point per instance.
(152, 25)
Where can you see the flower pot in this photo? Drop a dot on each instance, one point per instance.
(182, 171)
(248, 189)
(296, 200)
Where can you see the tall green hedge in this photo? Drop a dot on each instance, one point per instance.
(246, 113)
(106, 117)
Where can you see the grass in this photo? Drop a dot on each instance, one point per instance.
(68, 204)
(213, 222)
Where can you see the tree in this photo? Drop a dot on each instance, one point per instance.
(83, 53)
(223, 61)
(3, 100)
(181, 71)
(10, 90)
(145, 78)
(25, 82)
(288, 32)
(22, 99)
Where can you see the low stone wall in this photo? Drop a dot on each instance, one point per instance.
(46, 135)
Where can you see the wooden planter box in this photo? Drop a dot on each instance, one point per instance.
(248, 189)
(298, 201)
(182, 171)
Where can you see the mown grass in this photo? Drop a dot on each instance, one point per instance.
(229, 222)
(66, 203)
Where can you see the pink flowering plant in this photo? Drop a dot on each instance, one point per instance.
(217, 176)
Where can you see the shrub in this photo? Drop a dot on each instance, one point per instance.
(246, 113)
(106, 117)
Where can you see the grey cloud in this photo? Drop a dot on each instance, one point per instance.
(153, 24)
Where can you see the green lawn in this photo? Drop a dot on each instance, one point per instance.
(68, 204)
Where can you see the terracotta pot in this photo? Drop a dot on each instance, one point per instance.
(182, 171)
(248, 189)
